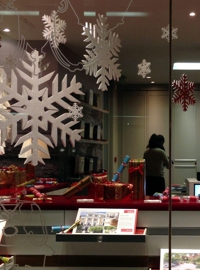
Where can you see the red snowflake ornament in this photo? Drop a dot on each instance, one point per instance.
(183, 93)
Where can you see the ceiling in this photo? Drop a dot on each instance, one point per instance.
(140, 36)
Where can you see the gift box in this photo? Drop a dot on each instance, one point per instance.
(117, 191)
(12, 176)
(6, 178)
(137, 177)
(76, 187)
(100, 177)
(30, 171)
(19, 177)
(96, 191)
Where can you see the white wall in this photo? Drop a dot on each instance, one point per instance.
(147, 112)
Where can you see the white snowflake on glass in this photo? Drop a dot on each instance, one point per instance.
(102, 53)
(75, 112)
(35, 107)
(10, 60)
(54, 29)
(3, 109)
(165, 34)
(144, 68)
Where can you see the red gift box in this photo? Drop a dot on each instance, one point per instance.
(109, 190)
(137, 177)
(117, 191)
(100, 177)
(96, 191)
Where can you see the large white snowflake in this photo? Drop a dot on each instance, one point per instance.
(3, 109)
(165, 33)
(102, 53)
(144, 68)
(54, 29)
(35, 107)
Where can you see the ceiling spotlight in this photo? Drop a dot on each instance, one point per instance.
(152, 82)
(6, 30)
(192, 14)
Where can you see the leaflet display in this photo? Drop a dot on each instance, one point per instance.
(106, 221)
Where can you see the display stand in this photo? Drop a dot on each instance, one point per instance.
(102, 238)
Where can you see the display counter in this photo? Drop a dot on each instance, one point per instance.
(59, 202)
(34, 219)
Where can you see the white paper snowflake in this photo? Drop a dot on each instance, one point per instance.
(54, 29)
(75, 112)
(102, 53)
(35, 108)
(10, 60)
(165, 34)
(144, 68)
(4, 109)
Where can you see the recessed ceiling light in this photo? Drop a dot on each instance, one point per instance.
(89, 13)
(126, 14)
(6, 30)
(186, 66)
(192, 14)
(14, 13)
(152, 82)
(148, 77)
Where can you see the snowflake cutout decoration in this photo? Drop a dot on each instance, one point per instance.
(183, 93)
(102, 53)
(10, 60)
(75, 112)
(4, 108)
(144, 68)
(165, 34)
(54, 29)
(3, 111)
(35, 108)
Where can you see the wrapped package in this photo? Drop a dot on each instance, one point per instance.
(19, 177)
(30, 171)
(117, 191)
(121, 168)
(6, 178)
(100, 177)
(137, 177)
(77, 187)
(37, 193)
(96, 191)
(12, 176)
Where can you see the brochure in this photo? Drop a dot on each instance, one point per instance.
(180, 259)
(106, 221)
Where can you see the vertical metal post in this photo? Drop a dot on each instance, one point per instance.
(170, 133)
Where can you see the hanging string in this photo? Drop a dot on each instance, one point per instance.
(122, 19)
(75, 14)
(63, 6)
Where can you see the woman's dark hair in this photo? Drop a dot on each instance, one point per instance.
(156, 141)
(161, 141)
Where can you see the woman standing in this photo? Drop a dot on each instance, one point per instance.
(156, 159)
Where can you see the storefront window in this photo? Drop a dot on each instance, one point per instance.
(84, 84)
